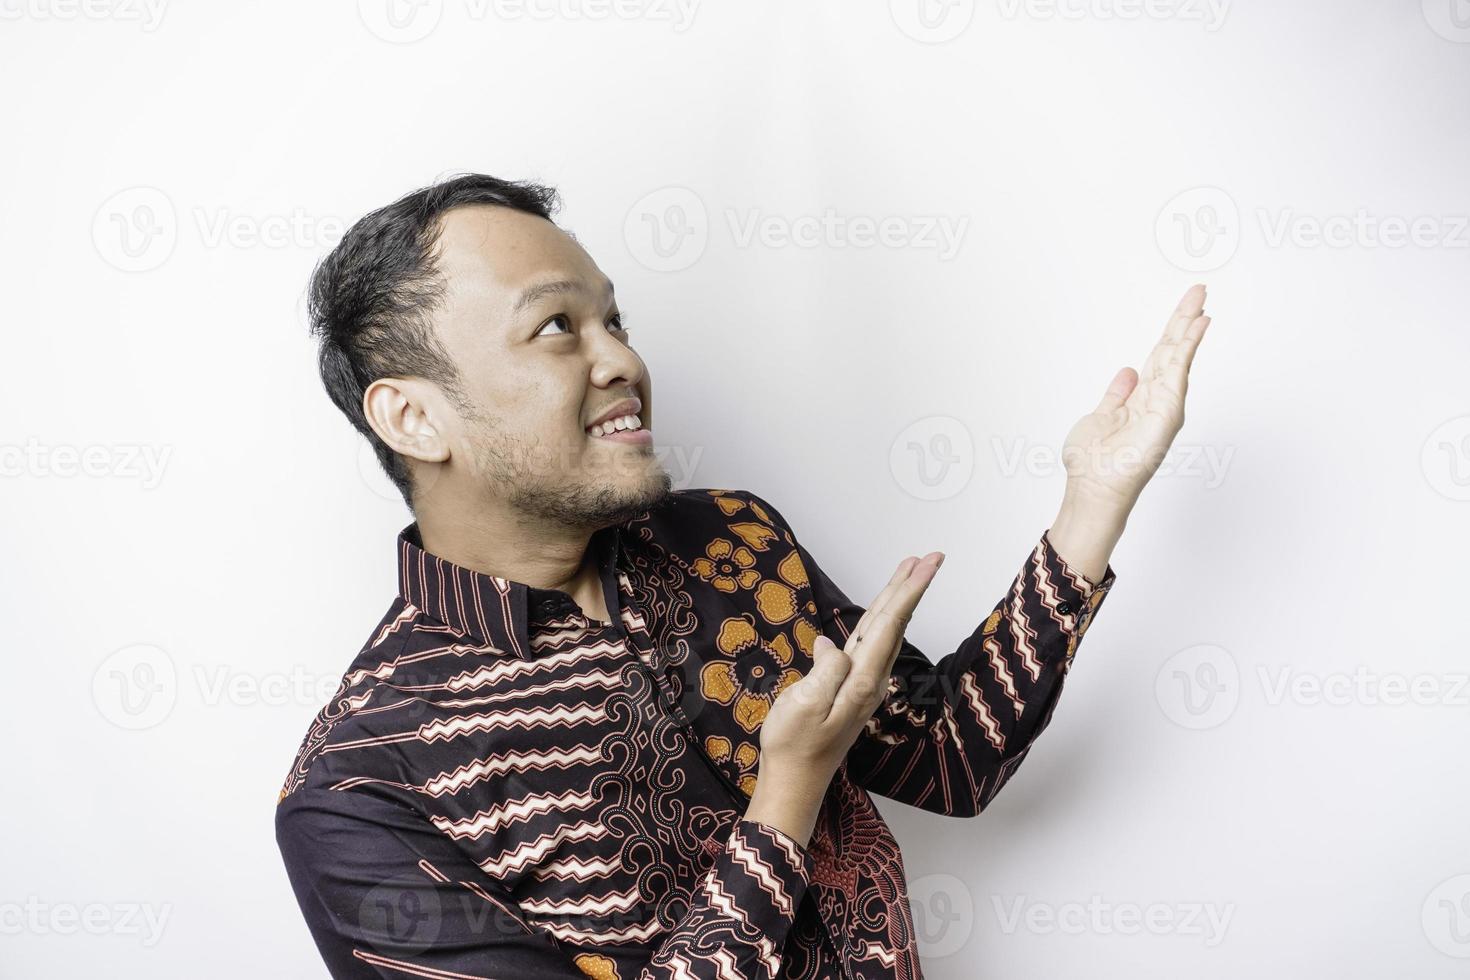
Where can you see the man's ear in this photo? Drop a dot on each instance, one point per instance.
(407, 413)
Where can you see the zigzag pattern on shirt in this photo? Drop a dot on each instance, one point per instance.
(461, 725)
(750, 861)
(1022, 634)
(508, 670)
(405, 617)
(568, 933)
(449, 783)
(556, 634)
(514, 861)
(723, 903)
(787, 846)
(592, 679)
(382, 671)
(1002, 671)
(726, 964)
(680, 968)
(983, 717)
(514, 811)
(631, 618)
(580, 755)
(873, 729)
(458, 703)
(388, 668)
(613, 901)
(515, 718)
(768, 955)
(579, 869)
(1048, 591)
(727, 967)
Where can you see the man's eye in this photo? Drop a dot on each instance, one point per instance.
(614, 323)
(558, 319)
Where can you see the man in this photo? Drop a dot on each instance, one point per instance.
(613, 730)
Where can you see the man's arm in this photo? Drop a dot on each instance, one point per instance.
(948, 735)
(385, 894)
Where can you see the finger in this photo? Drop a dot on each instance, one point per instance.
(901, 573)
(906, 594)
(872, 666)
(1178, 369)
(1118, 391)
(905, 569)
(826, 676)
(872, 661)
(1190, 306)
(1191, 341)
(1160, 366)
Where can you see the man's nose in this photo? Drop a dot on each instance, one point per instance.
(613, 361)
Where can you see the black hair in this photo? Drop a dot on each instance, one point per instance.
(370, 298)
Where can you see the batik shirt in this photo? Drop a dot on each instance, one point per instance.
(503, 787)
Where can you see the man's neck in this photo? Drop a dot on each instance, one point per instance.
(539, 554)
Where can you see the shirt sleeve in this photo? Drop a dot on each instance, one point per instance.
(385, 894)
(948, 735)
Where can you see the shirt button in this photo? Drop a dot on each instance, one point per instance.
(1066, 608)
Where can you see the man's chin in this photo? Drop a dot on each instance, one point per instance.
(599, 504)
(654, 492)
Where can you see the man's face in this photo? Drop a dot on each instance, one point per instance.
(533, 328)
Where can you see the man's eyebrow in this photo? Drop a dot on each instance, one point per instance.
(554, 287)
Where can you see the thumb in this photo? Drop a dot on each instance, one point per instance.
(1118, 391)
(830, 668)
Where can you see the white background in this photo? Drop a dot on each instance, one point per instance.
(171, 175)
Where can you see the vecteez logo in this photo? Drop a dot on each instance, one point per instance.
(408, 21)
(668, 230)
(147, 14)
(138, 229)
(932, 21)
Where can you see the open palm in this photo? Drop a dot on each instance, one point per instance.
(1111, 454)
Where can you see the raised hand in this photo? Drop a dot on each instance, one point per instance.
(1112, 453)
(814, 721)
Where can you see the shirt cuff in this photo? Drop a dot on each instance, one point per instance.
(1078, 598)
(1080, 583)
(764, 873)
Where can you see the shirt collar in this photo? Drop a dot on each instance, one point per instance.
(493, 610)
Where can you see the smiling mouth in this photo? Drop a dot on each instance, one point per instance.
(625, 428)
(622, 423)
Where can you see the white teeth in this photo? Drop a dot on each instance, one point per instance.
(616, 425)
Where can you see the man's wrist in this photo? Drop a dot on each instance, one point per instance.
(789, 805)
(1085, 533)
